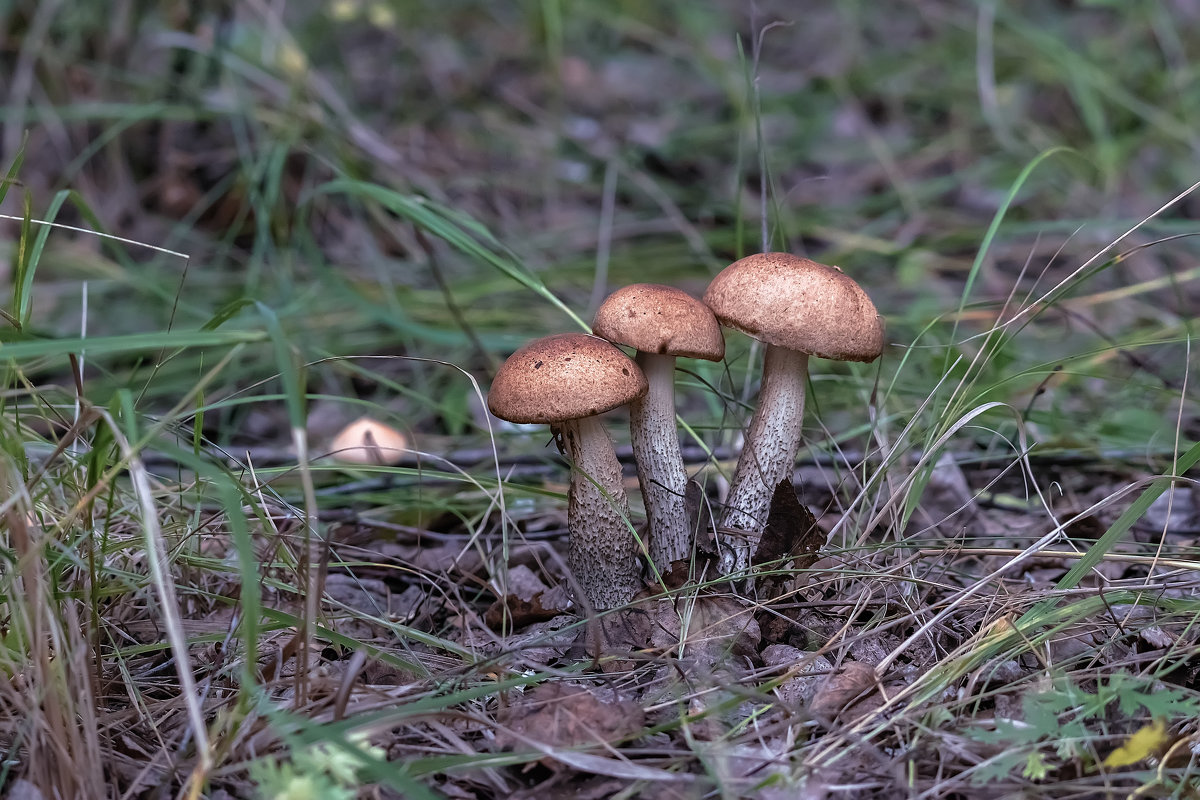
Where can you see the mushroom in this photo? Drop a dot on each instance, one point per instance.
(661, 323)
(566, 381)
(369, 441)
(798, 308)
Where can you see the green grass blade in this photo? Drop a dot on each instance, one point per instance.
(994, 227)
(127, 343)
(456, 229)
(10, 177)
(1114, 533)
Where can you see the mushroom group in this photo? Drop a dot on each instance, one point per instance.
(796, 307)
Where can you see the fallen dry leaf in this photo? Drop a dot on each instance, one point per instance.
(791, 532)
(615, 633)
(566, 715)
(528, 601)
(1156, 637)
(848, 685)
(1146, 741)
(947, 502)
(707, 630)
(513, 613)
(811, 669)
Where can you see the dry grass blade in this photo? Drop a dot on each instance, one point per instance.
(48, 699)
(161, 574)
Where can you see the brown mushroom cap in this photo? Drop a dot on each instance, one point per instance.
(565, 376)
(662, 320)
(792, 302)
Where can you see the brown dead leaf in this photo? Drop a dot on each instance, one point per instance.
(947, 502)
(618, 632)
(1066, 647)
(848, 685)
(1156, 637)
(810, 670)
(368, 595)
(543, 643)
(707, 630)
(566, 715)
(758, 769)
(678, 574)
(791, 535)
(513, 613)
(527, 602)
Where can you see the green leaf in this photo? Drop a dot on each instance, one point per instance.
(130, 343)
(1114, 533)
(456, 229)
(1036, 768)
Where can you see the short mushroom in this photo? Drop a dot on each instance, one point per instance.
(369, 441)
(661, 323)
(566, 381)
(798, 308)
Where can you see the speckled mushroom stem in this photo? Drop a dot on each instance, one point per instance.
(768, 454)
(602, 553)
(659, 463)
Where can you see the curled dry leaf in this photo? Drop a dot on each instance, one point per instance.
(513, 613)
(527, 602)
(1156, 637)
(566, 715)
(368, 595)
(758, 769)
(791, 541)
(543, 643)
(947, 503)
(848, 685)
(810, 670)
(705, 631)
(614, 634)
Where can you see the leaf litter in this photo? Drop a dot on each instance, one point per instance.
(694, 677)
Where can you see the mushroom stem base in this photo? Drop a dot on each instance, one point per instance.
(603, 553)
(768, 454)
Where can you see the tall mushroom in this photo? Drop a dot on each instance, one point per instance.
(565, 381)
(661, 323)
(798, 308)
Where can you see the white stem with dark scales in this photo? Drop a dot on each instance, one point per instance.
(659, 462)
(603, 553)
(768, 454)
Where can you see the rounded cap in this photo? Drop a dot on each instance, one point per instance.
(799, 304)
(368, 441)
(660, 319)
(565, 376)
